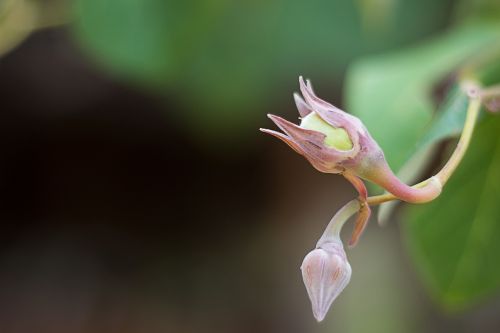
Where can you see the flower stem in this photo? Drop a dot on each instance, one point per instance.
(463, 143)
(332, 231)
(457, 156)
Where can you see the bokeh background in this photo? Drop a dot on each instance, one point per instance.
(137, 194)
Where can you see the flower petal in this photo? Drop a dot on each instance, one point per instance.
(299, 134)
(312, 146)
(302, 106)
(333, 115)
(284, 138)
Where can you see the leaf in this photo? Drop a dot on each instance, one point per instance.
(454, 239)
(392, 93)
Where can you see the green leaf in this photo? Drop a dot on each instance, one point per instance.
(454, 239)
(392, 93)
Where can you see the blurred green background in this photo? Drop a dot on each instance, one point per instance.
(137, 194)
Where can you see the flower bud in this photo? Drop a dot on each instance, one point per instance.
(326, 272)
(330, 139)
(336, 142)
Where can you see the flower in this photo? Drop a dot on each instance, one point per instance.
(336, 142)
(326, 272)
(330, 139)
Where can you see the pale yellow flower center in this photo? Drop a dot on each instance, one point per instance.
(336, 137)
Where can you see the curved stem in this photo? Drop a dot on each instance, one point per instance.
(332, 231)
(427, 190)
(398, 190)
(455, 159)
(463, 143)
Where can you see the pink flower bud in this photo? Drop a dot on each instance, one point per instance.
(330, 139)
(326, 272)
(336, 142)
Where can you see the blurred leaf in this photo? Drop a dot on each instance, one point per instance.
(392, 93)
(224, 59)
(376, 14)
(454, 239)
(486, 69)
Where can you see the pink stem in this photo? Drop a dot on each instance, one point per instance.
(385, 178)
